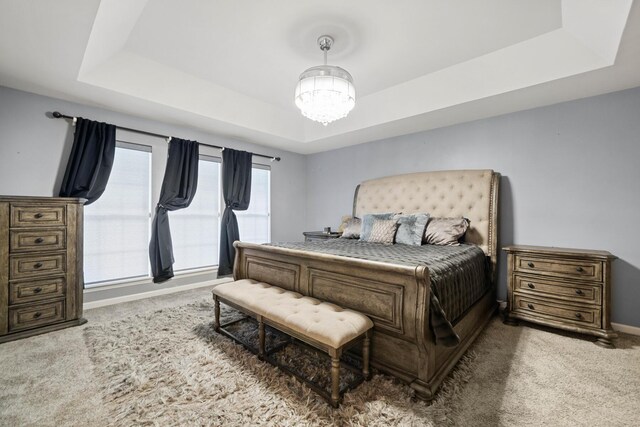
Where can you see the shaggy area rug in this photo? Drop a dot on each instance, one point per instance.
(171, 368)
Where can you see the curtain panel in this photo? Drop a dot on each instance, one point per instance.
(236, 190)
(178, 189)
(90, 161)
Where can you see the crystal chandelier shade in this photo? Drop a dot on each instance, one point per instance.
(325, 93)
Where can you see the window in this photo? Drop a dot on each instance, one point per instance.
(195, 230)
(116, 226)
(255, 222)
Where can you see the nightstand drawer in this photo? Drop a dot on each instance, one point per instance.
(36, 290)
(32, 316)
(37, 216)
(583, 292)
(581, 269)
(37, 240)
(36, 265)
(578, 315)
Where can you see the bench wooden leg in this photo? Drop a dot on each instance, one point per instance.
(366, 344)
(261, 336)
(335, 377)
(216, 309)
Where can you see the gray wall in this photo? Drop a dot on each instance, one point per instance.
(34, 150)
(570, 176)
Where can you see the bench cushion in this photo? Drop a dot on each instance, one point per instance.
(324, 322)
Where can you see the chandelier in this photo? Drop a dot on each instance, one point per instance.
(325, 93)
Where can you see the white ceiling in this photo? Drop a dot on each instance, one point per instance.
(230, 67)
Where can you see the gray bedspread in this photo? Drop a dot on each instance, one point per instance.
(459, 274)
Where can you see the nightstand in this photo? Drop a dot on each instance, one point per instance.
(319, 235)
(568, 289)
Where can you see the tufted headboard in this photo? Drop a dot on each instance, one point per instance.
(472, 194)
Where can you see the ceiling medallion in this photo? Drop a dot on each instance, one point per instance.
(325, 93)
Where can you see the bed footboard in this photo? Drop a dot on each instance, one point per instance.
(394, 297)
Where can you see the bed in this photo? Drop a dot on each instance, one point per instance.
(393, 286)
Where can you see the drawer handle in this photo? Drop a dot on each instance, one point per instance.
(579, 292)
(579, 269)
(531, 306)
(38, 215)
(579, 315)
(37, 314)
(531, 265)
(37, 265)
(531, 285)
(37, 290)
(39, 240)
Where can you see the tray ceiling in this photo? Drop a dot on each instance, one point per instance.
(231, 67)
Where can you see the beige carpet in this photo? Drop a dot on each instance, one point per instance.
(165, 366)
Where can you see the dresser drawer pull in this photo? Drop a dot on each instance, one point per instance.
(39, 240)
(531, 265)
(37, 314)
(37, 265)
(579, 315)
(579, 269)
(38, 215)
(531, 306)
(579, 292)
(37, 290)
(531, 285)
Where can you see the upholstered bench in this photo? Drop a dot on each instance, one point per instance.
(322, 325)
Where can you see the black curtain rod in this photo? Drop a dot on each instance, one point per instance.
(59, 115)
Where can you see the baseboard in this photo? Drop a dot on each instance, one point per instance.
(627, 329)
(143, 295)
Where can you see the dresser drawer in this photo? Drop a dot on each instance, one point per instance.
(36, 216)
(36, 290)
(589, 270)
(584, 316)
(36, 265)
(582, 292)
(37, 240)
(32, 316)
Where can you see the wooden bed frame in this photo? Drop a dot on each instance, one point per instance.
(395, 297)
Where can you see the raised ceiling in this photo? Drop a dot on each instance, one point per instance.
(230, 67)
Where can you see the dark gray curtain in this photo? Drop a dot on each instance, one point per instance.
(91, 160)
(236, 189)
(178, 188)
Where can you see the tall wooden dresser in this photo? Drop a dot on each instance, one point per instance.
(41, 276)
(564, 288)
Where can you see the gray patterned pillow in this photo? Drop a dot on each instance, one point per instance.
(411, 229)
(445, 231)
(343, 222)
(352, 229)
(383, 231)
(367, 223)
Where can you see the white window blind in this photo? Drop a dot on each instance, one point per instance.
(116, 226)
(255, 222)
(195, 230)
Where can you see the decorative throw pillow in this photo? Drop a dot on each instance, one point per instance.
(411, 228)
(367, 223)
(343, 222)
(383, 231)
(445, 231)
(352, 229)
